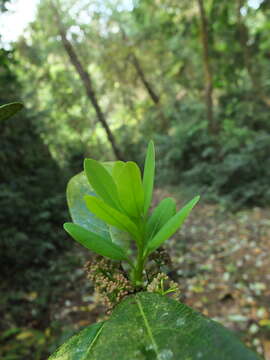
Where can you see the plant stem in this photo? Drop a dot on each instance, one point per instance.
(138, 271)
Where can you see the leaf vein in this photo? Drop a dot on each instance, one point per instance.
(94, 340)
(147, 326)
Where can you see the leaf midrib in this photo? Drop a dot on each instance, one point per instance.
(147, 326)
(94, 341)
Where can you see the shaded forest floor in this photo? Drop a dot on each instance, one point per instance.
(222, 264)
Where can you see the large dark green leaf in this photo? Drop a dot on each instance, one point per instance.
(8, 110)
(79, 346)
(149, 326)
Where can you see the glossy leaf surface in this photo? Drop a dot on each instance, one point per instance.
(149, 326)
(8, 110)
(94, 242)
(78, 346)
(148, 176)
(171, 226)
(77, 188)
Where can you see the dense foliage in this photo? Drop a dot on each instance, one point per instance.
(191, 75)
(31, 221)
(32, 202)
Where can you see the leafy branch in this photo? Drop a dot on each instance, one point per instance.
(121, 198)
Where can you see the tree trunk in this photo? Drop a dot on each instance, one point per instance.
(88, 84)
(244, 37)
(154, 97)
(149, 88)
(208, 88)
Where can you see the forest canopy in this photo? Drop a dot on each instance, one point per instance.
(105, 77)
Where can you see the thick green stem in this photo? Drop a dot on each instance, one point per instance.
(138, 271)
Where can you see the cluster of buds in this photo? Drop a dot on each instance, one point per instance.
(112, 284)
(162, 285)
(109, 280)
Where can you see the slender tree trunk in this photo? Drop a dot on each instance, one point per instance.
(154, 97)
(136, 63)
(212, 125)
(88, 84)
(147, 85)
(244, 37)
(150, 90)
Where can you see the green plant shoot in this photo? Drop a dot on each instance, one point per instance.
(116, 200)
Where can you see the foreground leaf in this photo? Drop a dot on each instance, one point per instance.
(171, 226)
(95, 242)
(148, 176)
(149, 326)
(8, 110)
(79, 346)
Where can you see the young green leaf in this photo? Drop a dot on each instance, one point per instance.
(148, 176)
(78, 186)
(118, 166)
(102, 182)
(95, 242)
(110, 215)
(130, 189)
(165, 210)
(171, 226)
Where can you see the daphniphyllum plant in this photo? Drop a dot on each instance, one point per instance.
(110, 208)
(122, 198)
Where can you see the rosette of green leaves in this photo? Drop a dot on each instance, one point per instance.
(109, 204)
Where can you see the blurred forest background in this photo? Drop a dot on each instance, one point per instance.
(99, 78)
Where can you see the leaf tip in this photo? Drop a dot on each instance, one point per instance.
(87, 162)
(66, 226)
(196, 199)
